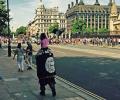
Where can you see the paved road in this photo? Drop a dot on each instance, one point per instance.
(98, 74)
(103, 48)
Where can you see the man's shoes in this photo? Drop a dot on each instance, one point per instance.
(29, 68)
(22, 70)
(53, 93)
(42, 93)
(19, 70)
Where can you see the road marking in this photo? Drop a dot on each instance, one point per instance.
(10, 79)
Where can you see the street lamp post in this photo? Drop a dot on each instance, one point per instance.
(37, 34)
(9, 41)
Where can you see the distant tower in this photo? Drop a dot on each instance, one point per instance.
(81, 2)
(97, 3)
(110, 3)
(76, 1)
(41, 5)
(113, 11)
(113, 15)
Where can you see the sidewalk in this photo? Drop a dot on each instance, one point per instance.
(24, 85)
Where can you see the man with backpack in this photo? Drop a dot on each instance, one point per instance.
(45, 66)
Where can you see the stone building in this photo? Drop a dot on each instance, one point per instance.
(114, 20)
(31, 28)
(44, 18)
(97, 16)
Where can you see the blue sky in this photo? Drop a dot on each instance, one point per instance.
(22, 11)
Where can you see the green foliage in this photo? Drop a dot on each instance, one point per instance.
(89, 30)
(103, 30)
(21, 30)
(5, 31)
(3, 16)
(78, 25)
(53, 27)
(13, 33)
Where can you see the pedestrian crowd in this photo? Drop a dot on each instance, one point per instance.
(109, 41)
(3, 40)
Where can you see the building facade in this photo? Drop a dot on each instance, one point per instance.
(97, 16)
(31, 28)
(45, 17)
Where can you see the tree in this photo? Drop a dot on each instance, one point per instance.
(13, 33)
(78, 26)
(3, 16)
(103, 30)
(54, 28)
(89, 31)
(21, 30)
(5, 31)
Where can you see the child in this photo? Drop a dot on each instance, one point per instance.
(20, 57)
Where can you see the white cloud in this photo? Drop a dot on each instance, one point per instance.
(22, 13)
(11, 14)
(62, 4)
